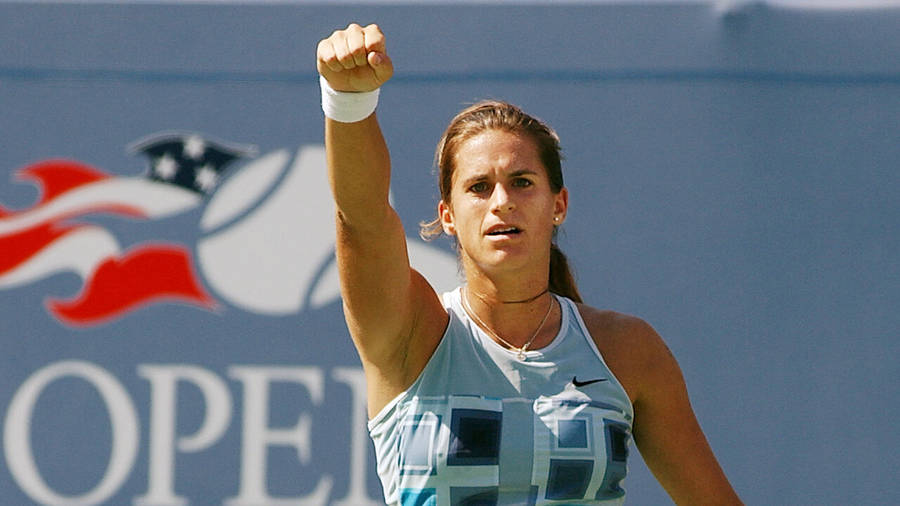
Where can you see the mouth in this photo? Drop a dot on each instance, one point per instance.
(503, 230)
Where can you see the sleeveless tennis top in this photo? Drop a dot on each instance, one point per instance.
(481, 427)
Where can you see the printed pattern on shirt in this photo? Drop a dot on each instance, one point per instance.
(449, 451)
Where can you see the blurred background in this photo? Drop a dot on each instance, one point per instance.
(170, 324)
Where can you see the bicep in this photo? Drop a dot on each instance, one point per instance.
(375, 273)
(386, 303)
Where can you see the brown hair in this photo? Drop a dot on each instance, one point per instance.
(496, 115)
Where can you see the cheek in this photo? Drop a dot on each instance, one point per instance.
(462, 221)
(466, 224)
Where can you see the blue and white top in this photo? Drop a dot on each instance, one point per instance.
(479, 426)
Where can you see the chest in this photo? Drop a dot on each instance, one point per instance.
(465, 449)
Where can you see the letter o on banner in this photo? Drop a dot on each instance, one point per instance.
(17, 433)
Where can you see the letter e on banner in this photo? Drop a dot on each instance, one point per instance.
(257, 435)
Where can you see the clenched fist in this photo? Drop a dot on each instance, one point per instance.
(354, 59)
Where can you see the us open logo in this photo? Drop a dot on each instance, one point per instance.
(265, 242)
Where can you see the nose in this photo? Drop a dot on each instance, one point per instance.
(500, 200)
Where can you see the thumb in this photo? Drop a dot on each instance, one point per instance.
(382, 66)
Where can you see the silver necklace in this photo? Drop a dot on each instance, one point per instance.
(520, 351)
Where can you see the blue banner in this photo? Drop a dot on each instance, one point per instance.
(170, 315)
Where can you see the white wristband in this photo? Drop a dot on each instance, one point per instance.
(347, 107)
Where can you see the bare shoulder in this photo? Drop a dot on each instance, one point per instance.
(622, 333)
(630, 346)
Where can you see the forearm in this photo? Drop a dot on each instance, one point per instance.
(359, 171)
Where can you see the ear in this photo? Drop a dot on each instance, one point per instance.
(561, 207)
(446, 216)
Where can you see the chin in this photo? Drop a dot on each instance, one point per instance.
(503, 260)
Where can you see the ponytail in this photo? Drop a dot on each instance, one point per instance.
(562, 282)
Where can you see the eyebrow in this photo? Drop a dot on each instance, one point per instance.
(484, 176)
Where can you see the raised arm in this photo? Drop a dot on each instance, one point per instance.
(393, 314)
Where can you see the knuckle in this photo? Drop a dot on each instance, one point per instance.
(374, 38)
(341, 57)
(329, 59)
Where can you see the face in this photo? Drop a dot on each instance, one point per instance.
(502, 207)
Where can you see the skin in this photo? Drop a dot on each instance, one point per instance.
(499, 185)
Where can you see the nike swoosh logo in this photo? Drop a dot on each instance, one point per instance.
(579, 384)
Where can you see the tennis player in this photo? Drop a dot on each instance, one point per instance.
(508, 390)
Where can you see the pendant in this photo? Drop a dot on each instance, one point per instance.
(520, 354)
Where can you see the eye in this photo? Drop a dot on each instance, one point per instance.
(479, 187)
(522, 182)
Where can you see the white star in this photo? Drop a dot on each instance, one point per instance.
(194, 147)
(206, 178)
(165, 167)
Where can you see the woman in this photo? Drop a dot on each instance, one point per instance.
(509, 390)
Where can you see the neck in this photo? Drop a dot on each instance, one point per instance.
(512, 302)
(489, 300)
(521, 287)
